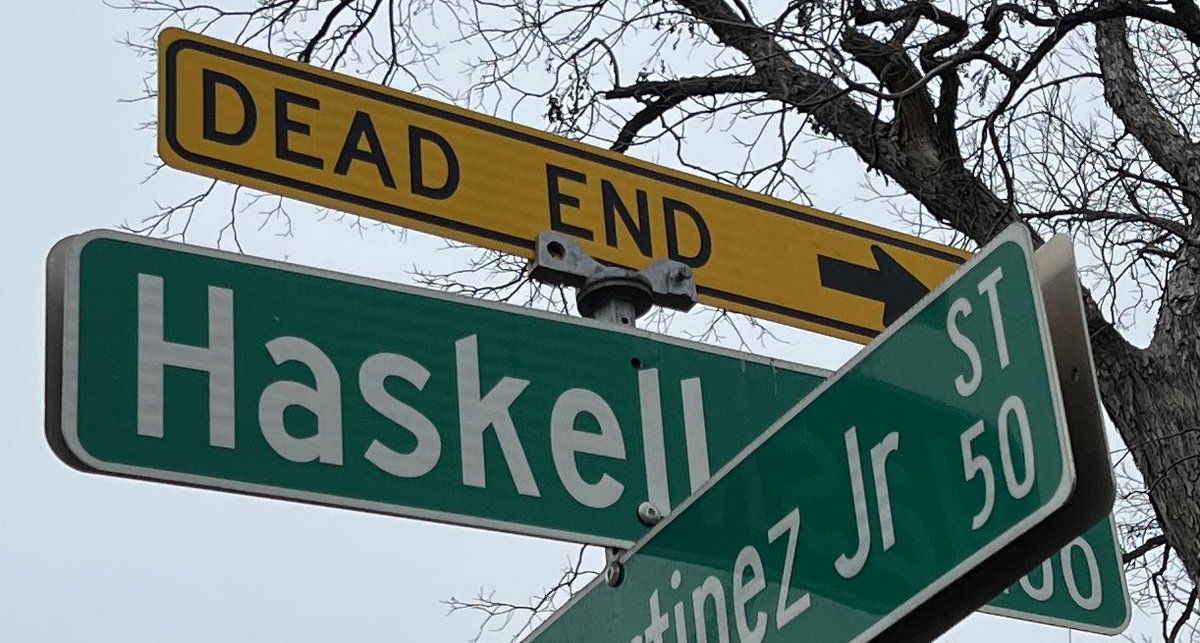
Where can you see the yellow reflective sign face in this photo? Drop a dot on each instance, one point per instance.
(259, 120)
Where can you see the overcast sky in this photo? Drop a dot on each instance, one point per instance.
(85, 557)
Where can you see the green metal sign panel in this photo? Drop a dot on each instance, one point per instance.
(1081, 587)
(113, 413)
(204, 368)
(930, 454)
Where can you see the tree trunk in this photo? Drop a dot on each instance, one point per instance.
(1152, 397)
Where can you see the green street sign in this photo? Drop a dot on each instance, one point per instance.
(109, 411)
(1081, 587)
(897, 497)
(204, 368)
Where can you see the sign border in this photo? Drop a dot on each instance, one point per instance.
(62, 381)
(1063, 492)
(173, 41)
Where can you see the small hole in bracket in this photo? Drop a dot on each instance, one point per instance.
(1075, 374)
(635, 362)
(556, 249)
(625, 321)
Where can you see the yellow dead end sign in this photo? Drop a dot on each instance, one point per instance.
(259, 120)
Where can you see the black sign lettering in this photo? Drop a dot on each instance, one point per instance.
(416, 136)
(210, 80)
(362, 127)
(613, 205)
(558, 200)
(284, 125)
(670, 207)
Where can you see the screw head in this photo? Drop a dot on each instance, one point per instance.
(648, 514)
(614, 574)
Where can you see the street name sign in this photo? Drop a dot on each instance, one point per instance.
(198, 367)
(239, 115)
(904, 492)
(125, 307)
(1081, 587)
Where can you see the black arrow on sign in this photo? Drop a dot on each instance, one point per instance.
(889, 283)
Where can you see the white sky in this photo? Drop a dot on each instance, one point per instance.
(86, 557)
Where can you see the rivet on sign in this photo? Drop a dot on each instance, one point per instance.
(614, 574)
(648, 514)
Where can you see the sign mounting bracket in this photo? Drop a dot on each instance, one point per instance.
(610, 293)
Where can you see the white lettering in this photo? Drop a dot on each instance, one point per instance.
(710, 614)
(695, 432)
(1016, 488)
(711, 588)
(681, 635)
(476, 413)
(849, 566)
(324, 401)
(744, 591)
(566, 442)
(988, 287)
(964, 386)
(1043, 593)
(978, 464)
(659, 622)
(154, 354)
(879, 456)
(653, 446)
(784, 613)
(1093, 600)
(371, 376)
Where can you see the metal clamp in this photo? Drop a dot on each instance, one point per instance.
(609, 293)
